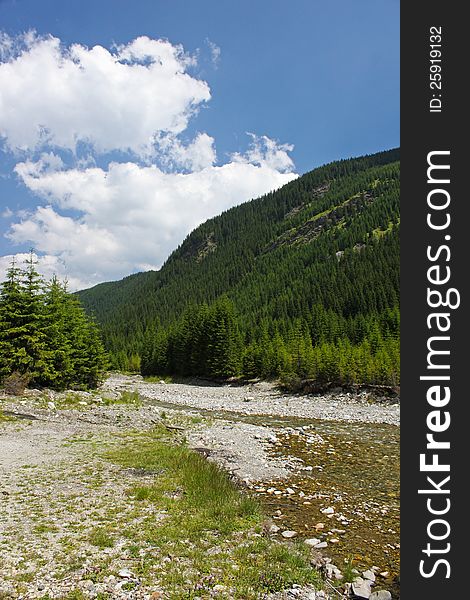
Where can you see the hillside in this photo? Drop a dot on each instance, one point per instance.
(295, 279)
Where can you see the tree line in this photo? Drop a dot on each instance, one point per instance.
(210, 341)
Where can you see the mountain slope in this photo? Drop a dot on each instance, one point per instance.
(325, 247)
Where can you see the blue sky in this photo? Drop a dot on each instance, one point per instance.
(312, 81)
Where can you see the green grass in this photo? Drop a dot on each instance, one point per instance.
(209, 499)
(6, 418)
(75, 401)
(202, 510)
(101, 537)
(126, 398)
(158, 378)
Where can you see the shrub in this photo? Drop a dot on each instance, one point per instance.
(16, 383)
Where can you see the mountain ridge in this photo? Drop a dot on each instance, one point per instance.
(328, 238)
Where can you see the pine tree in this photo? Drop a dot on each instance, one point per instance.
(45, 334)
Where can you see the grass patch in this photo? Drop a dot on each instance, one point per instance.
(127, 398)
(158, 379)
(208, 525)
(101, 538)
(269, 567)
(209, 500)
(6, 418)
(45, 528)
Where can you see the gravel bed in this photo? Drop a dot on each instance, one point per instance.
(263, 399)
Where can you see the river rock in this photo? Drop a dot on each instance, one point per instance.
(328, 511)
(369, 574)
(333, 572)
(125, 574)
(312, 542)
(361, 588)
(321, 545)
(289, 534)
(381, 595)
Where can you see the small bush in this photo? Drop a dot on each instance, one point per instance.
(16, 383)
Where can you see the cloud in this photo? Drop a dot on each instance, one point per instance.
(111, 100)
(215, 53)
(63, 109)
(131, 216)
(266, 152)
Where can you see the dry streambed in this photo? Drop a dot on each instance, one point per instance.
(70, 529)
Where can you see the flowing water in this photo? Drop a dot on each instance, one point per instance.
(355, 472)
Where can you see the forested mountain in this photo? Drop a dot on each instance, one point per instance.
(304, 280)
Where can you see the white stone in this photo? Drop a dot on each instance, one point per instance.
(312, 542)
(381, 595)
(369, 574)
(289, 534)
(126, 574)
(361, 587)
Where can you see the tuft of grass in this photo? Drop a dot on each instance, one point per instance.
(126, 398)
(71, 401)
(349, 571)
(272, 567)
(6, 418)
(209, 501)
(158, 378)
(45, 528)
(101, 537)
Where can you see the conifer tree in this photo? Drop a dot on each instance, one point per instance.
(45, 333)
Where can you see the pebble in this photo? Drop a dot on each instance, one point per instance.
(289, 534)
(384, 574)
(328, 511)
(126, 574)
(312, 542)
(321, 545)
(369, 574)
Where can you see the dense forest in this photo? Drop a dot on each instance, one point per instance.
(302, 282)
(46, 338)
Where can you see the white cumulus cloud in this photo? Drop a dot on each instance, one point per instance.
(110, 99)
(130, 217)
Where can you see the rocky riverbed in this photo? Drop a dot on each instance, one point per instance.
(301, 456)
(263, 398)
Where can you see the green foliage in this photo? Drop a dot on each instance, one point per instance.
(303, 281)
(45, 335)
